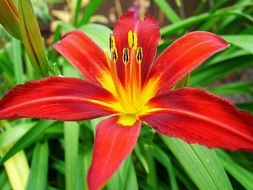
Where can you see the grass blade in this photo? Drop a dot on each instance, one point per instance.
(17, 170)
(30, 137)
(9, 18)
(233, 88)
(38, 175)
(71, 136)
(126, 171)
(90, 10)
(166, 162)
(243, 176)
(201, 164)
(203, 76)
(31, 37)
(17, 61)
(189, 22)
(243, 41)
(167, 10)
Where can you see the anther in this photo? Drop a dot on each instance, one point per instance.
(114, 54)
(112, 42)
(125, 56)
(132, 40)
(139, 55)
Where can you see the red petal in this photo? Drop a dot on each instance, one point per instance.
(196, 116)
(83, 54)
(113, 143)
(184, 55)
(55, 98)
(148, 36)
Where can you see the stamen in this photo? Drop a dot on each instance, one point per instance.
(139, 55)
(132, 40)
(114, 54)
(125, 56)
(112, 42)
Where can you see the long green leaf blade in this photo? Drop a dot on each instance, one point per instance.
(38, 175)
(167, 10)
(126, 171)
(90, 10)
(9, 18)
(71, 136)
(31, 37)
(166, 162)
(201, 164)
(30, 137)
(243, 41)
(243, 176)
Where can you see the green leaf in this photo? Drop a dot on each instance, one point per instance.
(246, 106)
(228, 54)
(81, 182)
(167, 10)
(38, 174)
(242, 41)
(59, 166)
(31, 37)
(243, 176)
(71, 136)
(164, 159)
(189, 22)
(90, 10)
(17, 61)
(78, 6)
(99, 33)
(9, 18)
(30, 137)
(174, 28)
(210, 73)
(140, 156)
(233, 88)
(11, 135)
(17, 169)
(124, 178)
(200, 163)
(4, 183)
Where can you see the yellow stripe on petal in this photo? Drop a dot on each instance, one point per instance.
(150, 89)
(107, 82)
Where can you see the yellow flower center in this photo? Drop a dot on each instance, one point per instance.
(132, 94)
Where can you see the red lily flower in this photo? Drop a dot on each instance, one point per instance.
(131, 87)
